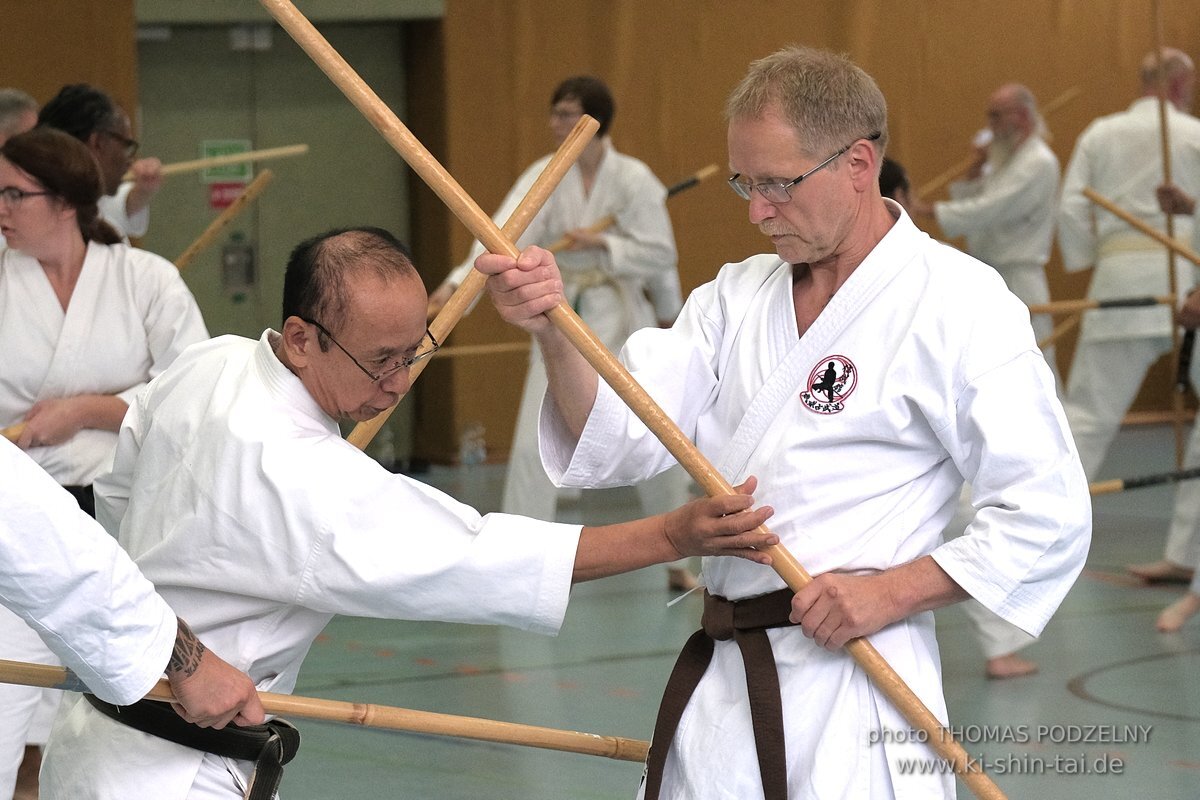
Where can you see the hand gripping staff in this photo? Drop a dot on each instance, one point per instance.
(569, 323)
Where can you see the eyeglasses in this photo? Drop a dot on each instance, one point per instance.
(778, 193)
(12, 196)
(131, 145)
(389, 369)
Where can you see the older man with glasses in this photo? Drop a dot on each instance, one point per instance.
(235, 493)
(92, 116)
(860, 372)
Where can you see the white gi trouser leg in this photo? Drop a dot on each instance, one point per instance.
(19, 704)
(1183, 545)
(1105, 377)
(527, 490)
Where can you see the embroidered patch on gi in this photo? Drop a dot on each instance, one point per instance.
(829, 384)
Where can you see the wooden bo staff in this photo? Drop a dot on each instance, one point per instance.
(13, 432)
(369, 715)
(1181, 380)
(564, 318)
(1086, 304)
(1060, 330)
(232, 158)
(1121, 484)
(935, 184)
(605, 223)
(472, 286)
(248, 195)
(1149, 230)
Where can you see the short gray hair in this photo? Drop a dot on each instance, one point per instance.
(826, 98)
(14, 103)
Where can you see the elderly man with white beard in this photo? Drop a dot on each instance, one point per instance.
(1006, 206)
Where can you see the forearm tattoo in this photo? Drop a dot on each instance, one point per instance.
(188, 651)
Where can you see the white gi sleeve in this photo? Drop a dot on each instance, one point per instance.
(1077, 239)
(77, 588)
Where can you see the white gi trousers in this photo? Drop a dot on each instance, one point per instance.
(1028, 282)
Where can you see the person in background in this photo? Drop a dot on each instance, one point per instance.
(91, 116)
(618, 280)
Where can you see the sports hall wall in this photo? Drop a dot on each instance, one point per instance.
(671, 63)
(474, 85)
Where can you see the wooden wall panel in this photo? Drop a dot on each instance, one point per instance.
(671, 63)
(91, 42)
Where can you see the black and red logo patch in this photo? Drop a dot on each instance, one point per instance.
(829, 384)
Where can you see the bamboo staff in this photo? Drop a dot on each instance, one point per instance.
(935, 184)
(864, 653)
(1121, 484)
(232, 158)
(13, 432)
(243, 200)
(604, 223)
(1060, 330)
(1164, 133)
(1085, 304)
(1162, 238)
(369, 715)
(472, 286)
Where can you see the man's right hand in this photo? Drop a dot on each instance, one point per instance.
(1173, 200)
(525, 288)
(1189, 312)
(209, 692)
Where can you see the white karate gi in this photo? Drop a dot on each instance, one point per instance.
(113, 210)
(237, 496)
(1007, 216)
(630, 284)
(129, 316)
(1120, 157)
(72, 582)
(934, 385)
(1183, 545)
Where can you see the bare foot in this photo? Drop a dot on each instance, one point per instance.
(1010, 666)
(1161, 572)
(679, 579)
(1173, 616)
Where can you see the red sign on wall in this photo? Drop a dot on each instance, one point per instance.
(222, 195)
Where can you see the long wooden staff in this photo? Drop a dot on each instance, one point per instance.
(604, 223)
(232, 158)
(13, 432)
(468, 291)
(1085, 304)
(369, 715)
(482, 349)
(1181, 381)
(1165, 239)
(1121, 484)
(566, 320)
(242, 202)
(936, 183)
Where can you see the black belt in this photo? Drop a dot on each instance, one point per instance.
(746, 622)
(85, 497)
(269, 746)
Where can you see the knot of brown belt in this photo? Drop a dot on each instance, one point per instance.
(746, 623)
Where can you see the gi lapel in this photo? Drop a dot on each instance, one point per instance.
(77, 324)
(791, 374)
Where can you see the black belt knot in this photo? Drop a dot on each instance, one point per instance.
(745, 622)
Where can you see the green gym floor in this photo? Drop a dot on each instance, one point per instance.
(1105, 673)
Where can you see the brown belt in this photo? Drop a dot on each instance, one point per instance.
(746, 623)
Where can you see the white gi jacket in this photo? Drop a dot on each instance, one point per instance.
(76, 587)
(929, 386)
(237, 496)
(1008, 214)
(113, 209)
(640, 252)
(130, 315)
(1120, 157)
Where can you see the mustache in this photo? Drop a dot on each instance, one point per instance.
(775, 230)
